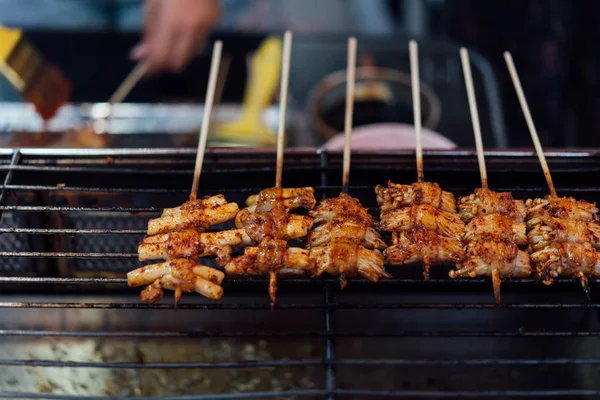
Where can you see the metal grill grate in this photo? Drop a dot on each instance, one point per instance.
(70, 328)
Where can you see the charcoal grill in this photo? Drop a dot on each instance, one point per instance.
(70, 327)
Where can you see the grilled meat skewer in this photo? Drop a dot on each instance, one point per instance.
(179, 275)
(346, 242)
(269, 225)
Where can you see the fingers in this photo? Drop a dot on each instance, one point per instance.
(174, 30)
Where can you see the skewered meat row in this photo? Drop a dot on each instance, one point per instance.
(343, 218)
(269, 225)
(346, 243)
(494, 230)
(179, 275)
(562, 234)
(425, 226)
(178, 236)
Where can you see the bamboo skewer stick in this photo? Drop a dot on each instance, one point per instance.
(350, 84)
(208, 105)
(283, 97)
(413, 51)
(466, 65)
(536, 142)
(534, 136)
(130, 81)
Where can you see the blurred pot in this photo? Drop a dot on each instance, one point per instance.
(382, 96)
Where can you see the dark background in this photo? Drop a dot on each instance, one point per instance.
(554, 44)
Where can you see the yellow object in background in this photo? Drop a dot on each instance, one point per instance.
(40, 82)
(263, 80)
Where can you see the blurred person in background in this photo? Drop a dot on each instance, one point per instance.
(173, 31)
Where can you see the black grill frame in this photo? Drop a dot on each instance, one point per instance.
(327, 166)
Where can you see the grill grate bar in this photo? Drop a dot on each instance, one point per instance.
(57, 188)
(309, 281)
(300, 334)
(137, 171)
(82, 209)
(162, 365)
(42, 254)
(294, 306)
(160, 334)
(297, 363)
(74, 231)
(569, 393)
(224, 396)
(477, 395)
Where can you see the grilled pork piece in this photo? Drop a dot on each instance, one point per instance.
(485, 201)
(397, 196)
(566, 259)
(560, 207)
(192, 244)
(556, 230)
(426, 216)
(340, 230)
(419, 245)
(343, 206)
(276, 223)
(495, 227)
(271, 255)
(494, 258)
(288, 198)
(270, 258)
(348, 260)
(198, 204)
(179, 275)
(192, 216)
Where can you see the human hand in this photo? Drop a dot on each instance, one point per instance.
(173, 31)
